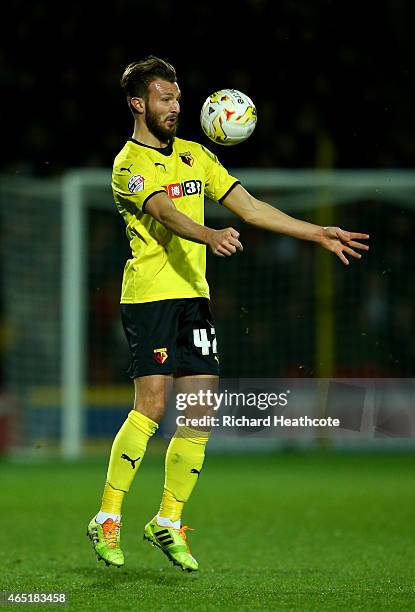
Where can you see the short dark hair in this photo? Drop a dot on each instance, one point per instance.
(138, 75)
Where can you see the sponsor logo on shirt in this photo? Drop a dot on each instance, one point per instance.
(136, 183)
(187, 188)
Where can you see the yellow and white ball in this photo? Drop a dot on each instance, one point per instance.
(228, 117)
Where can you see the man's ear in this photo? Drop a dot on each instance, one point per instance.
(137, 105)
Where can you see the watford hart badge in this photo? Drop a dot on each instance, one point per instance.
(160, 355)
(187, 158)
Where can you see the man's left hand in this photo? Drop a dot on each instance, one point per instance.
(342, 242)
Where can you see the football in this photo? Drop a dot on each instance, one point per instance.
(228, 117)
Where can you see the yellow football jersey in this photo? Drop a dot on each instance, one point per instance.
(164, 266)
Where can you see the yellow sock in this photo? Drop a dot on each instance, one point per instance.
(127, 452)
(111, 500)
(184, 461)
(170, 507)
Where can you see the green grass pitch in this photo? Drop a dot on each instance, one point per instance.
(301, 532)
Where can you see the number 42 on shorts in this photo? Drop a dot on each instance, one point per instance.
(201, 340)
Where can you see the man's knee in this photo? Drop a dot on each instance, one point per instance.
(151, 407)
(152, 395)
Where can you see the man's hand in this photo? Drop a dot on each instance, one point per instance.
(224, 242)
(340, 242)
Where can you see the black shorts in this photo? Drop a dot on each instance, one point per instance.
(168, 336)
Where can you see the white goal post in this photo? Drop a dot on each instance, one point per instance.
(295, 190)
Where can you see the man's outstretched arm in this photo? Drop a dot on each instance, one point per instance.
(253, 211)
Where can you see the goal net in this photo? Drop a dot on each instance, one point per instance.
(283, 308)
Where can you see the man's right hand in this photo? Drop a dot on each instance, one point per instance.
(224, 242)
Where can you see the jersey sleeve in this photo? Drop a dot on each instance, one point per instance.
(134, 185)
(218, 180)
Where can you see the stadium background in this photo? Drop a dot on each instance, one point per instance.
(334, 88)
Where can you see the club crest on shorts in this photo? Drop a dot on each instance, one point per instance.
(160, 355)
(136, 183)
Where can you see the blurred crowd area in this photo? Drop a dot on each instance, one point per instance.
(345, 70)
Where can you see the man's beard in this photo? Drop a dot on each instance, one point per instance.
(160, 131)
